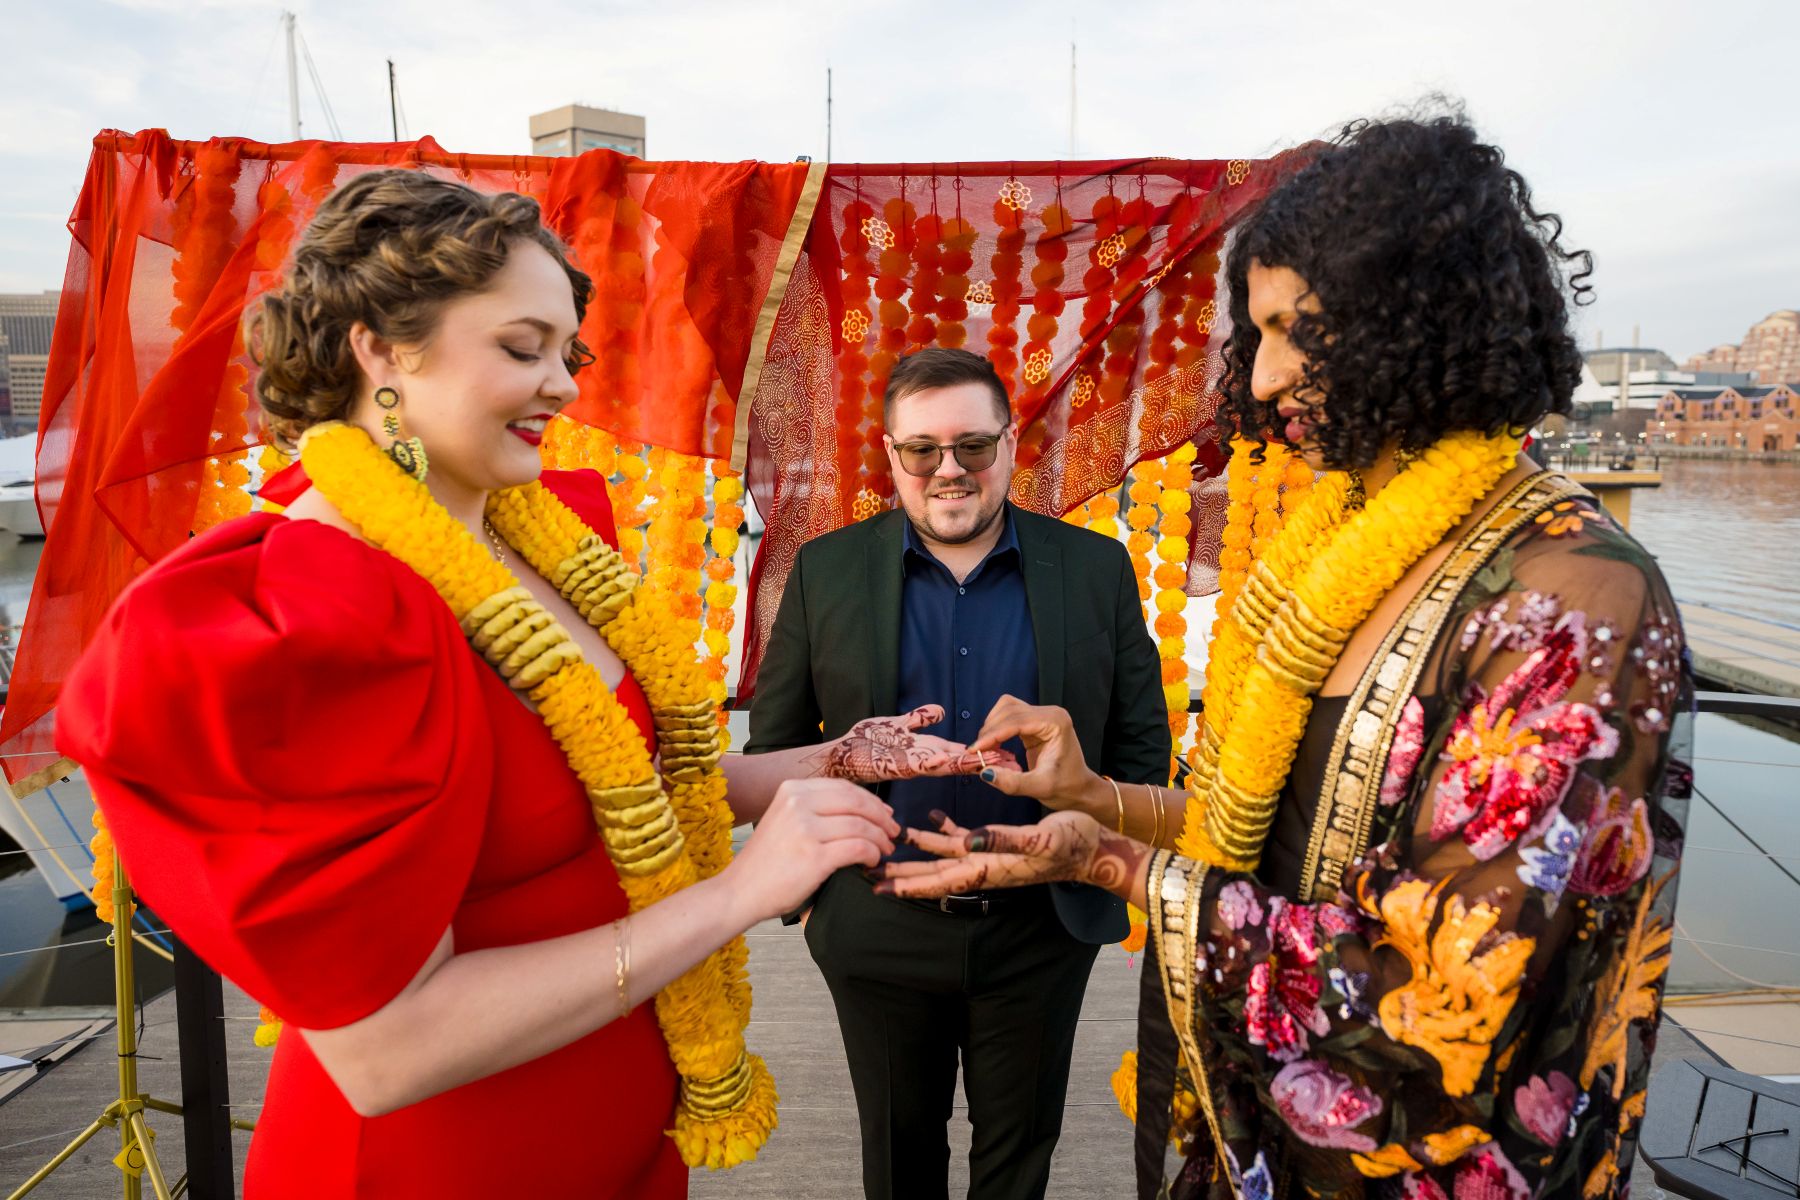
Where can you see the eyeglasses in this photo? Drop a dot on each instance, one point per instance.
(973, 454)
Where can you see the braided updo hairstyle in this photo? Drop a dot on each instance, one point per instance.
(390, 248)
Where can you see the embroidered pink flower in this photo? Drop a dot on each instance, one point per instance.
(1485, 1173)
(1323, 1107)
(1282, 1005)
(1237, 905)
(1543, 1106)
(1421, 1187)
(1336, 921)
(1618, 847)
(1513, 754)
(1404, 755)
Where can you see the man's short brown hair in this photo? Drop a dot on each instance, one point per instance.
(941, 366)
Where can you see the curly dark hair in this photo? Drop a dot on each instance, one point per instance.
(390, 248)
(1440, 292)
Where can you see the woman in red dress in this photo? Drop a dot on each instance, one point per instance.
(321, 785)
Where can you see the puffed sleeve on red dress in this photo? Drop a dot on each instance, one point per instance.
(282, 726)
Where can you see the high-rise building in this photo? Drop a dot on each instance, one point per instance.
(1770, 351)
(26, 322)
(576, 129)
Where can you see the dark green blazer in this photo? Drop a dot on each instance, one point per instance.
(833, 658)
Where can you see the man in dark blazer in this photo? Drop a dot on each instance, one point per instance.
(955, 599)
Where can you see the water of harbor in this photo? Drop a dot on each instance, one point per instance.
(1724, 533)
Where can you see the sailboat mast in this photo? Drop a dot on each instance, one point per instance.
(287, 21)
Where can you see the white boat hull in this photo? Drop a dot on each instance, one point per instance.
(53, 825)
(19, 512)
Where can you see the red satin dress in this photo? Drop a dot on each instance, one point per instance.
(310, 775)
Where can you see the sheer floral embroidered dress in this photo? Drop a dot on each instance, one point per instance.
(1483, 837)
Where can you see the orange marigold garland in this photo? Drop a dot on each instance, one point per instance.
(925, 237)
(1123, 255)
(953, 285)
(854, 336)
(721, 593)
(1103, 513)
(1052, 251)
(1141, 518)
(891, 238)
(630, 516)
(1006, 288)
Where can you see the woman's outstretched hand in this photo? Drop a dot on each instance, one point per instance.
(1063, 847)
(882, 749)
(1058, 776)
(812, 828)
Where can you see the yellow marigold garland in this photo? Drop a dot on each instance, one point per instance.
(662, 834)
(1173, 504)
(1289, 541)
(1321, 572)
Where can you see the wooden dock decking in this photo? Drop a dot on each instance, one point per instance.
(1742, 652)
(814, 1155)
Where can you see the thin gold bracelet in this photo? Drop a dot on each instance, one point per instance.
(622, 964)
(1119, 797)
(1156, 806)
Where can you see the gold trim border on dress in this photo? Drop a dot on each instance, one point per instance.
(1352, 785)
(785, 261)
(1173, 887)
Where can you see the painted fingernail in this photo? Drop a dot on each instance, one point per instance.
(987, 775)
(884, 888)
(938, 816)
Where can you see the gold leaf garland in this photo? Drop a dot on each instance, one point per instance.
(662, 834)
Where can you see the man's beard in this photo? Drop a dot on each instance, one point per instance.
(984, 518)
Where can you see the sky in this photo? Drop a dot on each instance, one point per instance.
(1663, 131)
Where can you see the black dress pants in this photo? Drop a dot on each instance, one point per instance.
(915, 990)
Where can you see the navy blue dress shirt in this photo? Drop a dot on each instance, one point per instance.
(963, 645)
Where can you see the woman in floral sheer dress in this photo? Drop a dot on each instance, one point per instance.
(1410, 939)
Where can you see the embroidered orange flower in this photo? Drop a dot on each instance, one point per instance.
(1458, 998)
(1629, 991)
(1565, 518)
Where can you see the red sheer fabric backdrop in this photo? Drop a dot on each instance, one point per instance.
(1093, 287)
(147, 410)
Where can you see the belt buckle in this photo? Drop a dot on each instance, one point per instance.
(944, 903)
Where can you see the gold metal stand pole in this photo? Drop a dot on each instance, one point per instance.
(137, 1148)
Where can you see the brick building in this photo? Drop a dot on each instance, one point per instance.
(1744, 418)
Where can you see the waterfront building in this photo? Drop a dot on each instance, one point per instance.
(26, 322)
(1770, 350)
(576, 129)
(1762, 418)
(1609, 364)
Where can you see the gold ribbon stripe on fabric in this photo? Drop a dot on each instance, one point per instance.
(1352, 785)
(785, 261)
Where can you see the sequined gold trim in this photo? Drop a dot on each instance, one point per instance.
(1359, 751)
(1174, 885)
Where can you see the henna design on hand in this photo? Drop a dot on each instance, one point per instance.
(1116, 863)
(883, 749)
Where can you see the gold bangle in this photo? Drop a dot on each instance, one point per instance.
(1156, 807)
(1118, 797)
(622, 964)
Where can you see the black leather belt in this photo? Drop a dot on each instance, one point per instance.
(981, 904)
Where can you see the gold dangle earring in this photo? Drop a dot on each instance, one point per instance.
(408, 453)
(1357, 495)
(1405, 458)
